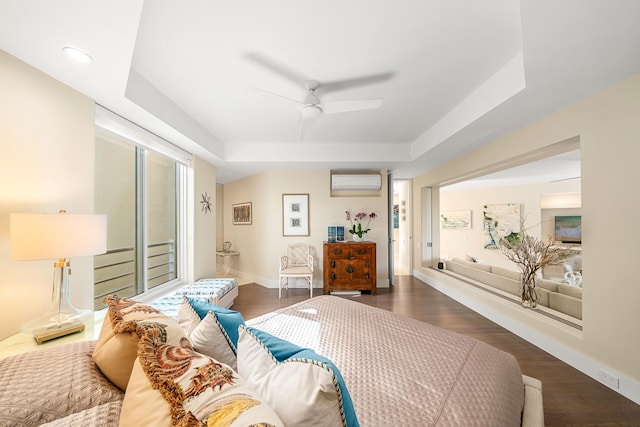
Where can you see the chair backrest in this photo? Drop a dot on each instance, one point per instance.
(298, 254)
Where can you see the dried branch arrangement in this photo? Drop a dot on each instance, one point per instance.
(530, 255)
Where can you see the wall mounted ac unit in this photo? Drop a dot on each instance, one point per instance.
(355, 182)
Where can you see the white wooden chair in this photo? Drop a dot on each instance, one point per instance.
(298, 263)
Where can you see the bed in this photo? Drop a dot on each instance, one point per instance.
(401, 371)
(398, 371)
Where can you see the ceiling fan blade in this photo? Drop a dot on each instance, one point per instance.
(354, 82)
(305, 127)
(346, 106)
(298, 103)
(277, 67)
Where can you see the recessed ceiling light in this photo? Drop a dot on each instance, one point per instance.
(77, 55)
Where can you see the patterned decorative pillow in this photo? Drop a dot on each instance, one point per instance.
(208, 336)
(117, 345)
(176, 386)
(303, 387)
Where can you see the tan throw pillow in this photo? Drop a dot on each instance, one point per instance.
(117, 345)
(176, 386)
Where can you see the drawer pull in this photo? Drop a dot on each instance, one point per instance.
(362, 251)
(350, 268)
(351, 256)
(366, 263)
(333, 264)
(333, 276)
(366, 276)
(337, 251)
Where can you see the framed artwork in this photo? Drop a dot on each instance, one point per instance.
(455, 220)
(295, 214)
(501, 221)
(242, 213)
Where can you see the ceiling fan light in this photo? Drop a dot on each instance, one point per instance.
(77, 55)
(311, 111)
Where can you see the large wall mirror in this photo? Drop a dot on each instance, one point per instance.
(546, 193)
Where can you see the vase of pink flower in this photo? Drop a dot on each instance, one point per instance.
(358, 230)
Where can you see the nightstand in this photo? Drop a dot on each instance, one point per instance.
(21, 342)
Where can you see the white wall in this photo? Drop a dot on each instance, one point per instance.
(47, 164)
(608, 128)
(261, 244)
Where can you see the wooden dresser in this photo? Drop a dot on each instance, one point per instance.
(350, 266)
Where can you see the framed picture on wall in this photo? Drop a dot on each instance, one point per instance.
(295, 214)
(455, 220)
(242, 213)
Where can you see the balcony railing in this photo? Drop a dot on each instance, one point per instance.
(115, 271)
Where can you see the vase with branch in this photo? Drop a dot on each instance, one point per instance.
(530, 255)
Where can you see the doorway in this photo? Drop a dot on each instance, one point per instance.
(401, 227)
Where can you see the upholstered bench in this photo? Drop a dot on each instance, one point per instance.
(220, 292)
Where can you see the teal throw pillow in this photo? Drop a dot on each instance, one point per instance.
(230, 320)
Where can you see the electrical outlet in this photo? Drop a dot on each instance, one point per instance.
(609, 379)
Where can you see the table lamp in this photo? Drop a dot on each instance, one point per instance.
(57, 236)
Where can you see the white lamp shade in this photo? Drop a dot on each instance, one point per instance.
(54, 236)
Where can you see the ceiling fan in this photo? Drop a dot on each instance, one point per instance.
(312, 107)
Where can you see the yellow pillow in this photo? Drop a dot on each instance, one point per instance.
(117, 345)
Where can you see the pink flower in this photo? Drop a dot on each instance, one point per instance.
(357, 227)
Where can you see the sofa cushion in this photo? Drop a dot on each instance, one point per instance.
(550, 285)
(67, 382)
(303, 387)
(572, 291)
(543, 296)
(174, 385)
(469, 270)
(207, 335)
(117, 345)
(476, 264)
(566, 304)
(505, 272)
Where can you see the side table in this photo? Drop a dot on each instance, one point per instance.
(224, 255)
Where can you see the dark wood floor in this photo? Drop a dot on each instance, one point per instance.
(570, 397)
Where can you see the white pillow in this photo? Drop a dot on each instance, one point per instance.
(206, 335)
(304, 389)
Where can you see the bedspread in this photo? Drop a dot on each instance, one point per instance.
(401, 371)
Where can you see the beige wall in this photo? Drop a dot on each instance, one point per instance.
(47, 164)
(261, 243)
(47, 135)
(204, 238)
(459, 243)
(609, 131)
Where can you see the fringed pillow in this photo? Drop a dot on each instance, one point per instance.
(176, 386)
(117, 345)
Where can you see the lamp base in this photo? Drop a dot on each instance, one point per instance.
(48, 333)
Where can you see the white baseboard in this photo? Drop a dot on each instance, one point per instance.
(628, 387)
